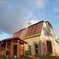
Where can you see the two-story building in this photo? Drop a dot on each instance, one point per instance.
(40, 38)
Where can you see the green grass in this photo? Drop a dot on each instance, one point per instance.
(25, 57)
(2, 57)
(22, 57)
(33, 57)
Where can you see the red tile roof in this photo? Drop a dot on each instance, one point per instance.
(31, 30)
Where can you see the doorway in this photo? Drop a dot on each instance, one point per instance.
(36, 49)
(15, 50)
(49, 47)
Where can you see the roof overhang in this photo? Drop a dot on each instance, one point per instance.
(12, 39)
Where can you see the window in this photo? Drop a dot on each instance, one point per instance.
(47, 31)
(3, 44)
(36, 46)
(8, 43)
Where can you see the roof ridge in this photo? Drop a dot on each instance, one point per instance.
(30, 26)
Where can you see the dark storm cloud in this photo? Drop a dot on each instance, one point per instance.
(13, 17)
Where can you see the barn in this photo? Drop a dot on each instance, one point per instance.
(40, 38)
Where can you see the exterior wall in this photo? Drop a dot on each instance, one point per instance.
(48, 37)
(20, 48)
(2, 50)
(42, 47)
(51, 38)
(57, 48)
(31, 41)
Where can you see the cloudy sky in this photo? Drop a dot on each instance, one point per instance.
(15, 14)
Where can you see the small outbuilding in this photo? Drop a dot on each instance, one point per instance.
(14, 47)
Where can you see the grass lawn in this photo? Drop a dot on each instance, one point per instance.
(23, 57)
(26, 57)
